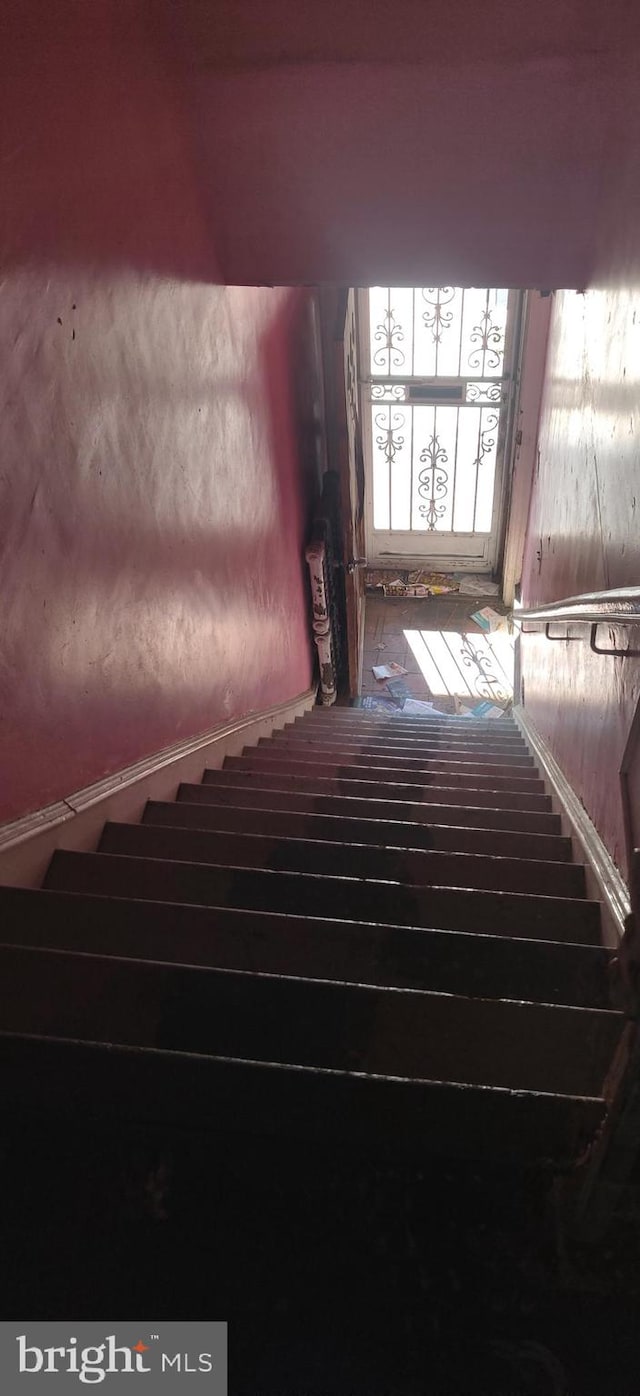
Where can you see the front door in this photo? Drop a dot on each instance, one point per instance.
(436, 391)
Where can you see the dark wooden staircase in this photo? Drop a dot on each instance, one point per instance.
(362, 930)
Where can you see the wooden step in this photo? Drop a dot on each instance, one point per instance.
(304, 894)
(411, 867)
(262, 957)
(409, 1033)
(393, 731)
(224, 789)
(390, 1118)
(411, 742)
(265, 759)
(440, 740)
(295, 823)
(494, 776)
(340, 711)
(431, 751)
(404, 791)
(448, 962)
(469, 728)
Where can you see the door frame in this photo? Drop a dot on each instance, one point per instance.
(487, 557)
(345, 456)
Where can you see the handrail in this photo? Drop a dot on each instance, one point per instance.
(615, 607)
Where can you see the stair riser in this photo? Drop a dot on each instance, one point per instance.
(237, 793)
(411, 747)
(466, 729)
(306, 1023)
(390, 834)
(64, 1080)
(322, 734)
(265, 761)
(442, 961)
(403, 791)
(343, 860)
(494, 913)
(393, 754)
(384, 754)
(340, 713)
(286, 757)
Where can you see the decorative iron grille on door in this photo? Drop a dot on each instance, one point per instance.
(437, 398)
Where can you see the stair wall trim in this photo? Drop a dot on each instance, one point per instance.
(76, 822)
(604, 882)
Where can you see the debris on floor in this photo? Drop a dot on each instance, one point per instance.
(416, 707)
(399, 691)
(490, 620)
(388, 671)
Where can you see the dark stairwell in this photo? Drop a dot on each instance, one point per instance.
(308, 1049)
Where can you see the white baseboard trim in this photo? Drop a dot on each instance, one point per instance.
(604, 882)
(27, 844)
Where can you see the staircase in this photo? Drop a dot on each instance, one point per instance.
(361, 930)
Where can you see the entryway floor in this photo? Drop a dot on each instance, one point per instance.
(425, 637)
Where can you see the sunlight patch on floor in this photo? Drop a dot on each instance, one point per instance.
(468, 665)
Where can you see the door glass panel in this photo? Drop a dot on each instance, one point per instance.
(437, 388)
(437, 332)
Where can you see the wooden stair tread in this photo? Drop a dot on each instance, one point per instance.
(298, 854)
(344, 828)
(363, 770)
(227, 788)
(485, 754)
(269, 942)
(506, 913)
(376, 729)
(391, 1116)
(424, 722)
(299, 1021)
(375, 788)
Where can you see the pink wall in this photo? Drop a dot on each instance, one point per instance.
(236, 34)
(98, 161)
(401, 142)
(156, 431)
(151, 524)
(153, 519)
(583, 535)
(292, 142)
(366, 174)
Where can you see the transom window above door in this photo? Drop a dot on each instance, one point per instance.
(436, 388)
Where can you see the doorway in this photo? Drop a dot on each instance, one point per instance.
(436, 385)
